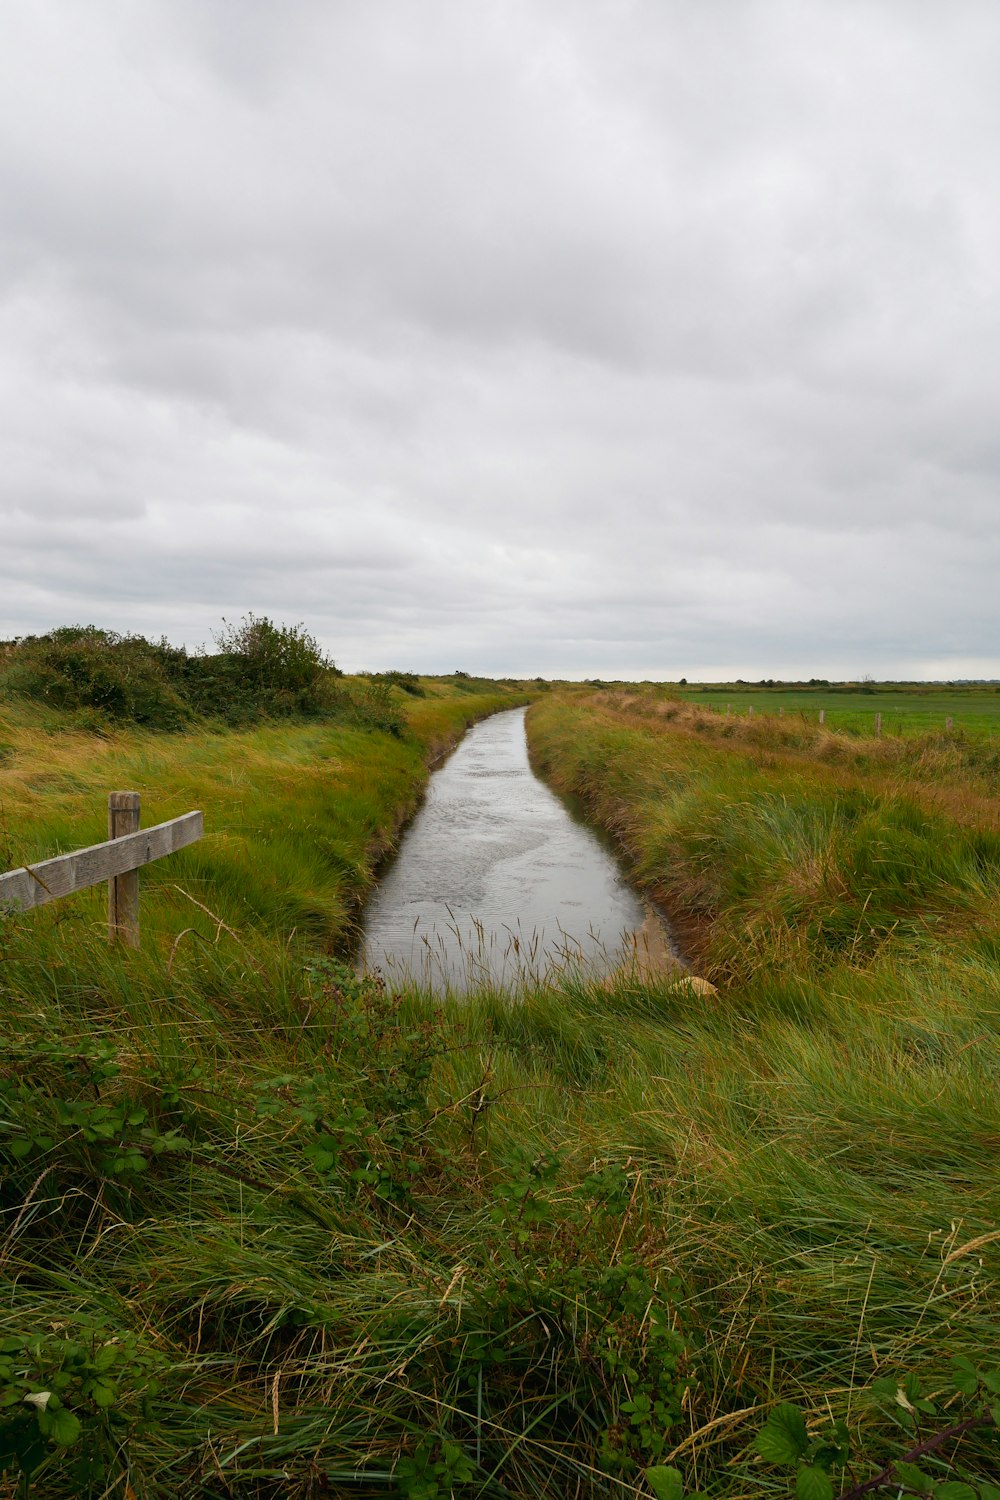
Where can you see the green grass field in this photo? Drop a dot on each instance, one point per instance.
(923, 709)
(269, 1230)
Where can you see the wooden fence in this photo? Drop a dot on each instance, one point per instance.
(118, 862)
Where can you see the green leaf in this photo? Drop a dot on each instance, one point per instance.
(913, 1477)
(964, 1377)
(991, 1380)
(455, 1466)
(63, 1428)
(953, 1489)
(666, 1482)
(321, 1157)
(827, 1454)
(988, 1491)
(102, 1392)
(128, 1161)
(783, 1438)
(813, 1483)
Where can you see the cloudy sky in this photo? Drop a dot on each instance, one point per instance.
(578, 337)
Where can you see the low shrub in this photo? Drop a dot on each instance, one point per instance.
(80, 666)
(373, 707)
(260, 670)
(408, 681)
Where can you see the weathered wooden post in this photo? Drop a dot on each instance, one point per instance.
(117, 862)
(750, 712)
(781, 713)
(949, 722)
(822, 716)
(123, 890)
(878, 723)
(727, 710)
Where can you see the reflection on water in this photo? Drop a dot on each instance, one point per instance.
(495, 882)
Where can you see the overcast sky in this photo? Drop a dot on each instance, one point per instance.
(576, 337)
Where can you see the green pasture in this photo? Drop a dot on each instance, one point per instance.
(904, 710)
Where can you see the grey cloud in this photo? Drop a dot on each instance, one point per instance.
(615, 337)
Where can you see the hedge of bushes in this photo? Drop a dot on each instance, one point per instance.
(258, 670)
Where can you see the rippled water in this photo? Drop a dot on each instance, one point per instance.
(495, 881)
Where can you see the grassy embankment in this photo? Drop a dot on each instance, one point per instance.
(297, 814)
(171, 1243)
(823, 1139)
(278, 1233)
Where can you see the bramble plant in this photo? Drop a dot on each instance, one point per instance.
(365, 1110)
(82, 1390)
(667, 1483)
(931, 1464)
(65, 1107)
(434, 1471)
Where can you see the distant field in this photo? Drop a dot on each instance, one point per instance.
(916, 710)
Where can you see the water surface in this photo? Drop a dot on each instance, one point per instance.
(495, 880)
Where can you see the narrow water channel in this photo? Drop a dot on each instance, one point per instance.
(495, 882)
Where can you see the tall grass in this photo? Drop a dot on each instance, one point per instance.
(771, 844)
(316, 1237)
(298, 814)
(829, 1129)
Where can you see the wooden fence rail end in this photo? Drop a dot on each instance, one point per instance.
(37, 884)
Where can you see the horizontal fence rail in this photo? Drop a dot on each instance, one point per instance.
(49, 879)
